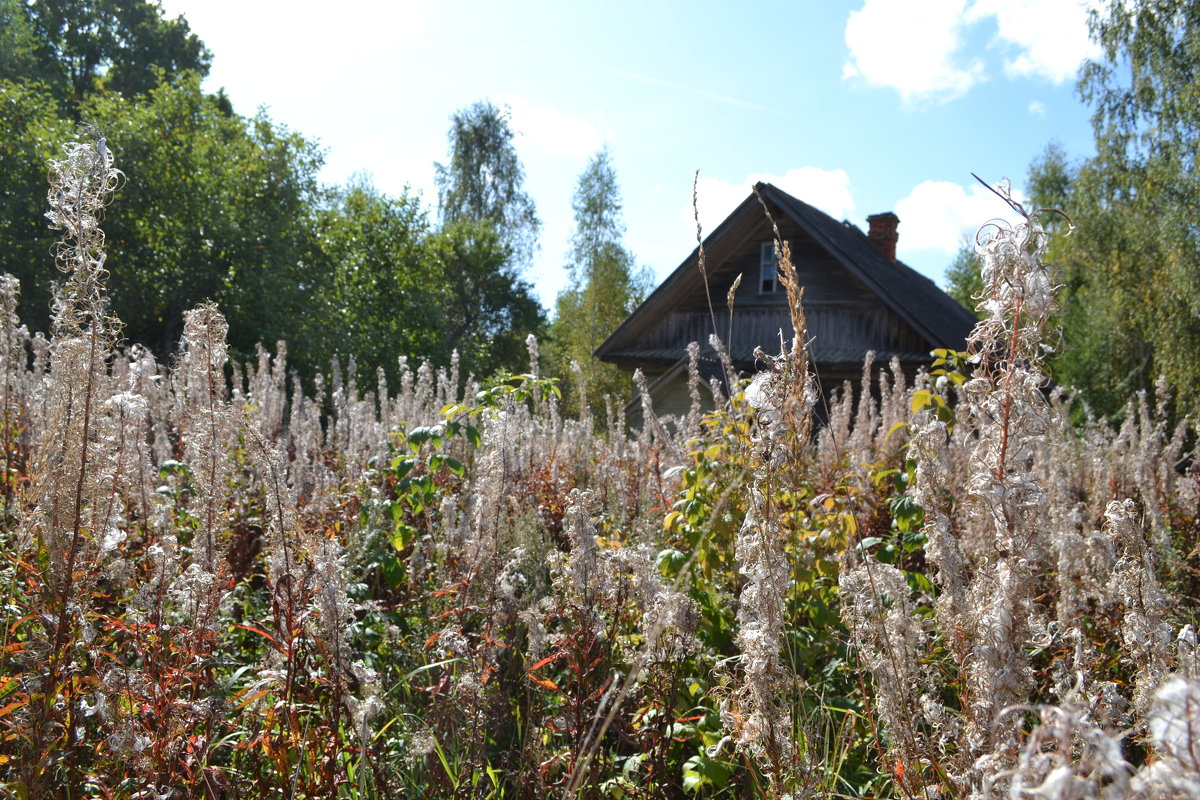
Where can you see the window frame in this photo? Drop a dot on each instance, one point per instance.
(768, 259)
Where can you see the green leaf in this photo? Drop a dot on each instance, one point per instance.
(402, 465)
(867, 543)
(426, 433)
(393, 571)
(700, 772)
(402, 536)
(473, 435)
(919, 582)
(670, 561)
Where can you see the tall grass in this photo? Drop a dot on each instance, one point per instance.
(218, 584)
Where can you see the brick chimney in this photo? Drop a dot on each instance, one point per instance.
(883, 234)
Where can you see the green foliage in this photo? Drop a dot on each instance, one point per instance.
(30, 134)
(1131, 304)
(219, 209)
(963, 279)
(20, 56)
(950, 367)
(229, 209)
(604, 287)
(383, 297)
(483, 179)
(86, 46)
(489, 230)
(487, 309)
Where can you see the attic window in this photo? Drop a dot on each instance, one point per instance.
(768, 269)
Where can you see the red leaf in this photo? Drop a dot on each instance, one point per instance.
(264, 634)
(544, 662)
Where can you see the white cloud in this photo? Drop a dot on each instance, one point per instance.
(1037, 108)
(912, 48)
(1050, 36)
(550, 130)
(918, 49)
(828, 190)
(938, 215)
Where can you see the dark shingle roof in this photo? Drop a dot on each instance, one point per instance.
(917, 300)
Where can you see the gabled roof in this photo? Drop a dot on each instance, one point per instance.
(914, 298)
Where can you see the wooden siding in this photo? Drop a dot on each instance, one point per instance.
(830, 325)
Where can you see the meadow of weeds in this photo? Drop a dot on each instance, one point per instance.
(218, 585)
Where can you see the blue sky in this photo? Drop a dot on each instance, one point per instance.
(855, 107)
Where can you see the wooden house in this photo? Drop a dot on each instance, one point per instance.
(857, 298)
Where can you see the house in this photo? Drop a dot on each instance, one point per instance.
(857, 298)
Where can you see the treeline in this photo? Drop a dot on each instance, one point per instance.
(230, 208)
(1130, 270)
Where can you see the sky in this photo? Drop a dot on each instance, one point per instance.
(854, 107)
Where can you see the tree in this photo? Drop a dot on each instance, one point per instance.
(483, 179)
(383, 298)
(489, 229)
(1106, 352)
(488, 309)
(221, 207)
(85, 46)
(217, 207)
(21, 55)
(963, 279)
(396, 287)
(603, 289)
(30, 135)
(1131, 300)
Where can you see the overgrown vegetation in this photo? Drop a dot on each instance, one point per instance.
(219, 585)
(222, 580)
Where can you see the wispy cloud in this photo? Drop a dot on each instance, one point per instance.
(663, 83)
(679, 87)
